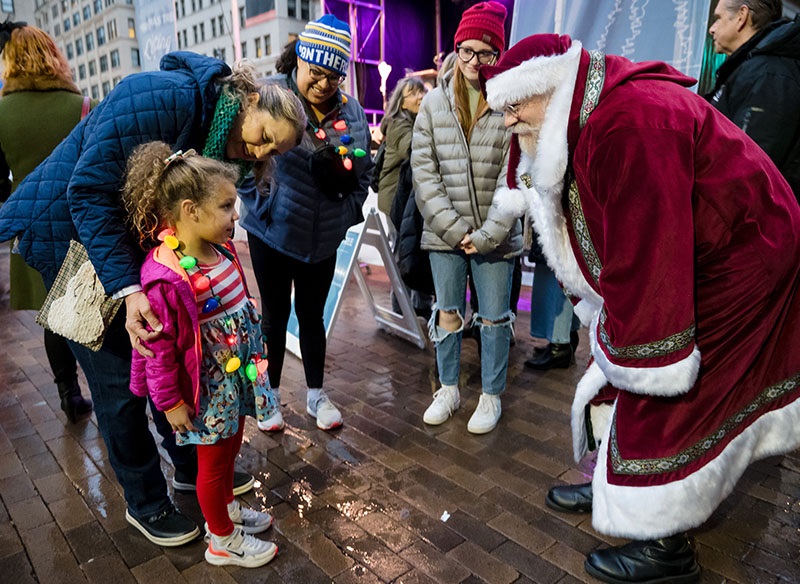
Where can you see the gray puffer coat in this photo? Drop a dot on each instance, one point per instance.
(456, 182)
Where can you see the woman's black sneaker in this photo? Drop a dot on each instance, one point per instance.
(169, 528)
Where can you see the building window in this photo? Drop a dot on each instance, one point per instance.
(56, 30)
(72, 72)
(185, 43)
(183, 7)
(222, 54)
(180, 43)
(131, 28)
(213, 28)
(116, 80)
(244, 50)
(55, 11)
(85, 92)
(267, 44)
(70, 51)
(259, 54)
(241, 17)
(64, 6)
(92, 68)
(291, 8)
(135, 61)
(90, 41)
(112, 29)
(202, 31)
(76, 19)
(199, 4)
(305, 10)
(114, 58)
(194, 5)
(221, 25)
(87, 12)
(81, 72)
(109, 3)
(79, 47)
(194, 30)
(101, 36)
(106, 88)
(103, 64)
(98, 6)
(95, 92)
(66, 24)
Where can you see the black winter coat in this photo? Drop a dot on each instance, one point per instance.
(413, 262)
(758, 89)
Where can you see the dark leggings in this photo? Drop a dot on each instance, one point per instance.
(275, 273)
(62, 361)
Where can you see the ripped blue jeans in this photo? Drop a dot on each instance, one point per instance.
(492, 279)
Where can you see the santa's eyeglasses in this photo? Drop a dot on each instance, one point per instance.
(484, 57)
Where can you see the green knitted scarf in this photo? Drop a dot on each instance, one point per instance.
(224, 115)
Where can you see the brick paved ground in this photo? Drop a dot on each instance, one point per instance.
(362, 504)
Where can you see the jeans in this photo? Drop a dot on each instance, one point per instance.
(492, 279)
(275, 274)
(552, 317)
(122, 419)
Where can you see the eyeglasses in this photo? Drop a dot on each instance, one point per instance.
(484, 57)
(319, 75)
(513, 109)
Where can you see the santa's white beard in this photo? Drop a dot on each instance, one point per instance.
(528, 142)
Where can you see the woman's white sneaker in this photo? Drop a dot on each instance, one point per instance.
(274, 423)
(239, 549)
(445, 401)
(486, 415)
(320, 407)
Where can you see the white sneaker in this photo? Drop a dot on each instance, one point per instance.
(486, 415)
(239, 549)
(328, 415)
(445, 401)
(249, 520)
(274, 423)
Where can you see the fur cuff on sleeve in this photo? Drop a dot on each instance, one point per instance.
(510, 202)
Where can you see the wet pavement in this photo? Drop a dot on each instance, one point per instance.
(365, 503)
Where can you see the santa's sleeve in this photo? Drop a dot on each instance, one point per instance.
(643, 339)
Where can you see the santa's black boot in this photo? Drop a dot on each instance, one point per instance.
(670, 560)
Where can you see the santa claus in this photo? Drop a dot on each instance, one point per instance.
(681, 241)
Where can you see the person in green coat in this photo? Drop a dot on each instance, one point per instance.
(40, 105)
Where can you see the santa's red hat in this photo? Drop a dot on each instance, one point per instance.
(535, 65)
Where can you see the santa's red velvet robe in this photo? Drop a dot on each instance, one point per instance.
(682, 241)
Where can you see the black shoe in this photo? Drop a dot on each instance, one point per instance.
(554, 356)
(670, 560)
(73, 404)
(242, 482)
(570, 498)
(169, 528)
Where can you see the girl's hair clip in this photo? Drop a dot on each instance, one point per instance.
(180, 154)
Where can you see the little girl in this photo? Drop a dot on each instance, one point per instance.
(207, 370)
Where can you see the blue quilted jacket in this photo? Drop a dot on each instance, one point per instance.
(290, 214)
(75, 192)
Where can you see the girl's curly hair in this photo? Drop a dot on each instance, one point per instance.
(157, 181)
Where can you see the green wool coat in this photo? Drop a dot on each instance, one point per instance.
(35, 116)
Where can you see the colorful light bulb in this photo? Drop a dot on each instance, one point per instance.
(359, 152)
(346, 139)
(188, 262)
(251, 371)
(233, 364)
(340, 125)
(348, 164)
(320, 133)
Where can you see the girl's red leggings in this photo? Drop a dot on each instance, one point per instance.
(215, 480)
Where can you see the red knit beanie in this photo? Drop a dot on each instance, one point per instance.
(483, 22)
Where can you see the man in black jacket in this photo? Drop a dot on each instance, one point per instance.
(758, 86)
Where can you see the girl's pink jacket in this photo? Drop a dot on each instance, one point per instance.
(173, 373)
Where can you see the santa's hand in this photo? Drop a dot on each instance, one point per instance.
(139, 315)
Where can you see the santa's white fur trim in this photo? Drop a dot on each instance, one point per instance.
(510, 202)
(669, 380)
(664, 510)
(535, 76)
(585, 310)
(591, 382)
